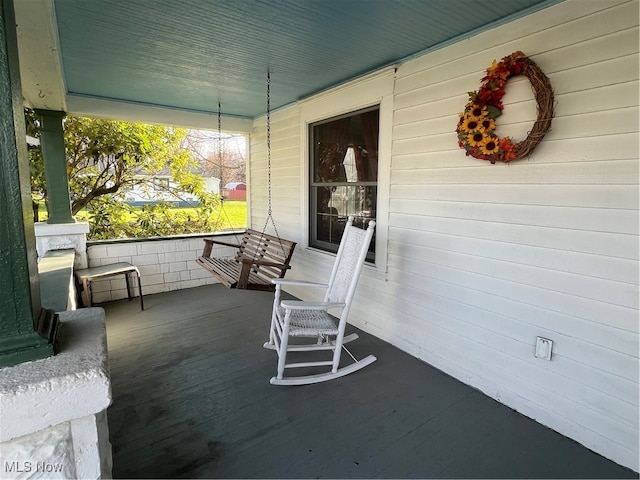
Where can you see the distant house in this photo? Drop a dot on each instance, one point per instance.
(235, 191)
(163, 188)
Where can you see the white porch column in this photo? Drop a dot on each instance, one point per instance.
(58, 236)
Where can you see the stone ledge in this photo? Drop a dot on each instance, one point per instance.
(71, 385)
(58, 236)
(57, 287)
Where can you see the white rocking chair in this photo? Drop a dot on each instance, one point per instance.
(293, 318)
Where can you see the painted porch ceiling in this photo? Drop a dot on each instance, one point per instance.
(190, 54)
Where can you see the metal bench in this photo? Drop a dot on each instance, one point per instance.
(86, 275)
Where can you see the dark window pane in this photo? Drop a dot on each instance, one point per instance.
(346, 149)
(344, 172)
(328, 217)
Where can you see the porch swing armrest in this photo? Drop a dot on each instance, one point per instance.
(296, 283)
(302, 305)
(264, 263)
(210, 241)
(208, 246)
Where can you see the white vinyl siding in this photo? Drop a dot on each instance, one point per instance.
(481, 259)
(286, 174)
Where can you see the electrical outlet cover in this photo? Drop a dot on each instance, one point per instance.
(543, 348)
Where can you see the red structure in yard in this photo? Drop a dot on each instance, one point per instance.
(235, 191)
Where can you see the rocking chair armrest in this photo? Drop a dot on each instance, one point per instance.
(296, 283)
(302, 305)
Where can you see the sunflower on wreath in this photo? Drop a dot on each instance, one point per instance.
(477, 122)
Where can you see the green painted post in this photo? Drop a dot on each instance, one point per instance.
(21, 315)
(55, 166)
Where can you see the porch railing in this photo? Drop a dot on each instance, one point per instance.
(165, 264)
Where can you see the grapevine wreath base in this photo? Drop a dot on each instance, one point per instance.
(477, 122)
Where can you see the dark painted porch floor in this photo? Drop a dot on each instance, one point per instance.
(192, 399)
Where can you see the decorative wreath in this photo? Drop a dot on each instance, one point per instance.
(477, 122)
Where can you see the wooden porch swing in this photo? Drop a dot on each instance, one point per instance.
(260, 257)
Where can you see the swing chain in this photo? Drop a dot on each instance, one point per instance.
(269, 143)
(269, 211)
(219, 133)
(220, 160)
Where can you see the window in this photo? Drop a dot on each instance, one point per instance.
(344, 176)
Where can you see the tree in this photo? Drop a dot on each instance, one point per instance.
(106, 158)
(221, 155)
(36, 167)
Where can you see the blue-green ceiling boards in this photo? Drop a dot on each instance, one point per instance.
(190, 54)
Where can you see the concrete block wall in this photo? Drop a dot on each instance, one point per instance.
(165, 265)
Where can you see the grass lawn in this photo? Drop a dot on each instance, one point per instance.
(232, 217)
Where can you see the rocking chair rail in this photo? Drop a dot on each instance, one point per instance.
(323, 377)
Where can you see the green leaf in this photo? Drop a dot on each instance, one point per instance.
(494, 112)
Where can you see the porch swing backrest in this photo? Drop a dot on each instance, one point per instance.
(259, 258)
(262, 247)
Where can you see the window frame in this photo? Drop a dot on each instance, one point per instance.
(314, 186)
(372, 90)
